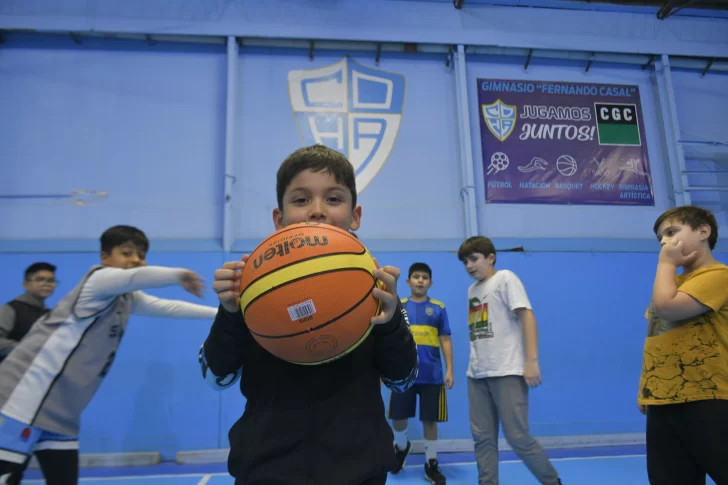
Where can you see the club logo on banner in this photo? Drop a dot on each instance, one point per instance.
(563, 143)
(350, 108)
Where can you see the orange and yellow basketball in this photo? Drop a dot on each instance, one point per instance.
(306, 293)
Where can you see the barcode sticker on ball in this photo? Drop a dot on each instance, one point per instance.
(302, 310)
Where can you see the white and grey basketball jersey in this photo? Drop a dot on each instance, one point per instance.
(52, 374)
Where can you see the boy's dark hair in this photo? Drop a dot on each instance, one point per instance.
(118, 235)
(476, 244)
(692, 216)
(423, 267)
(37, 267)
(319, 159)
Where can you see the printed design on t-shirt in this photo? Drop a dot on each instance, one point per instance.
(675, 370)
(478, 320)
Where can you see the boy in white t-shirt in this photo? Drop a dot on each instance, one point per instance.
(503, 364)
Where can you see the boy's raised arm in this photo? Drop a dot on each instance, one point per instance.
(109, 282)
(151, 306)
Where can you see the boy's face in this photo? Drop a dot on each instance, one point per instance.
(40, 284)
(478, 266)
(317, 197)
(692, 239)
(125, 256)
(419, 283)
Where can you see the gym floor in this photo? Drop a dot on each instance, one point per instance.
(592, 466)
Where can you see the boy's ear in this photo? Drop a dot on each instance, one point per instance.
(278, 218)
(704, 231)
(355, 218)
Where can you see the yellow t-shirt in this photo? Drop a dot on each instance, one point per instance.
(688, 360)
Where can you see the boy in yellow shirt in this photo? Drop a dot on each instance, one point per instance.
(684, 382)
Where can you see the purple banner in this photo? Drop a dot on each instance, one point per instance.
(563, 143)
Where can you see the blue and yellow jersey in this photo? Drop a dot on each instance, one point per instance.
(428, 321)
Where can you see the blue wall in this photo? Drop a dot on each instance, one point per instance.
(424, 155)
(146, 125)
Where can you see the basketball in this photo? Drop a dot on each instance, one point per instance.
(306, 293)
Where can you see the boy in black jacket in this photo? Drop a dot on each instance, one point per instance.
(311, 425)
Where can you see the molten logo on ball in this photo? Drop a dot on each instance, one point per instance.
(283, 248)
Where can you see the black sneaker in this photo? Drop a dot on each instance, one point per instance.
(432, 473)
(401, 456)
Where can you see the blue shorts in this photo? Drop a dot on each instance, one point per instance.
(18, 440)
(433, 403)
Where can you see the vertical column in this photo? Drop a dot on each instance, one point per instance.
(466, 149)
(228, 228)
(676, 156)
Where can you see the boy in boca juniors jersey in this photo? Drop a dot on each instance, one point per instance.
(431, 329)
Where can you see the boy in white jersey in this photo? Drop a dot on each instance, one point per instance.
(53, 373)
(503, 364)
